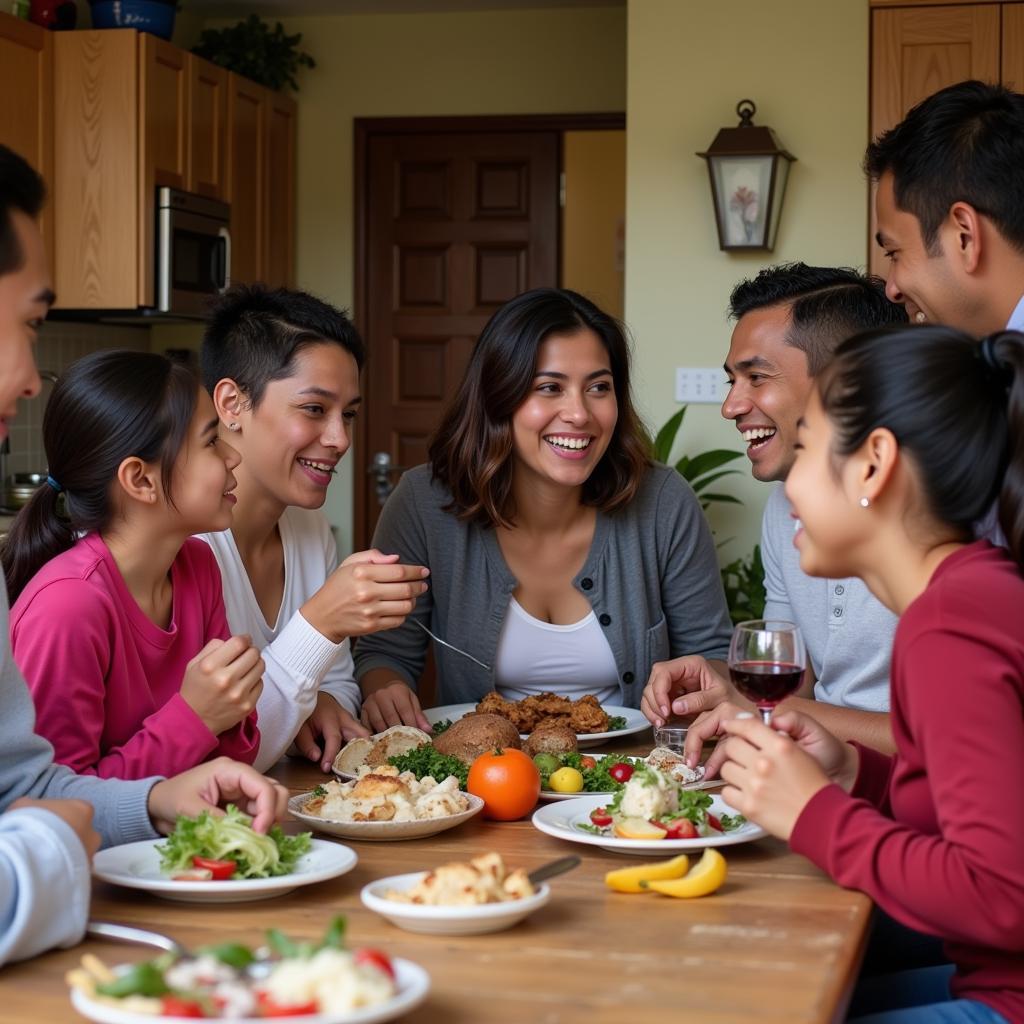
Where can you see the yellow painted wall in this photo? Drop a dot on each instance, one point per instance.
(805, 65)
(491, 62)
(594, 217)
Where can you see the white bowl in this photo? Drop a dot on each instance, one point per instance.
(474, 920)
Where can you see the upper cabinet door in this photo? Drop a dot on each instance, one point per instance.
(26, 80)
(165, 91)
(1013, 46)
(279, 264)
(247, 176)
(916, 51)
(207, 120)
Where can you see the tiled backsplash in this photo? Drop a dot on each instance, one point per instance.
(59, 345)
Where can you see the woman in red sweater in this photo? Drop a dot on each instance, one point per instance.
(910, 437)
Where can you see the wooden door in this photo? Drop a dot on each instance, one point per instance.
(916, 51)
(279, 245)
(207, 128)
(456, 224)
(164, 139)
(26, 116)
(1013, 46)
(246, 176)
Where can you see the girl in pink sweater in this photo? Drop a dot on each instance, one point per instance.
(118, 620)
(910, 437)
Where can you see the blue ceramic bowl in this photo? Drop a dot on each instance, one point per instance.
(144, 15)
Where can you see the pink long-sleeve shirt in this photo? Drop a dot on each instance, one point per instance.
(935, 834)
(106, 680)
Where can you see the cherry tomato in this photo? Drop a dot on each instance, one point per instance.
(621, 772)
(220, 870)
(587, 762)
(175, 1006)
(600, 817)
(715, 823)
(682, 828)
(268, 1008)
(375, 958)
(658, 824)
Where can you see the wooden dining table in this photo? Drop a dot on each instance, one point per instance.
(778, 942)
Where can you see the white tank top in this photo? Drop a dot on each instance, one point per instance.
(535, 656)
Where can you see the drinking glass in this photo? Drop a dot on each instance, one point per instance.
(766, 662)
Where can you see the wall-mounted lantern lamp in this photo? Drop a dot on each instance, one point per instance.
(748, 169)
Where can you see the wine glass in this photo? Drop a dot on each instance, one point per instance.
(766, 662)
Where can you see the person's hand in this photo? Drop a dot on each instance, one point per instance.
(77, 814)
(215, 783)
(769, 777)
(838, 760)
(223, 682)
(684, 687)
(393, 704)
(703, 728)
(326, 730)
(367, 593)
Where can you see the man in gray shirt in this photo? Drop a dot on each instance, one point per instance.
(790, 319)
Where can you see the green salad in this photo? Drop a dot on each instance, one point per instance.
(231, 839)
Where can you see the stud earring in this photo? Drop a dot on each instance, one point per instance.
(865, 502)
(232, 426)
(920, 317)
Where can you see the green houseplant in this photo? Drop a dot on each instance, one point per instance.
(743, 579)
(251, 48)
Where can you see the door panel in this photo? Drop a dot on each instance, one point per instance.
(457, 223)
(207, 110)
(246, 177)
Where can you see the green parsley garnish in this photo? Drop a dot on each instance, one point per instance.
(427, 760)
(616, 722)
(439, 727)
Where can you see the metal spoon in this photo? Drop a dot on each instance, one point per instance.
(451, 647)
(552, 868)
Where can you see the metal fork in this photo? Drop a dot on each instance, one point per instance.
(451, 647)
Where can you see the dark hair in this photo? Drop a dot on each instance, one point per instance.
(964, 143)
(107, 407)
(955, 406)
(253, 335)
(828, 304)
(22, 189)
(471, 452)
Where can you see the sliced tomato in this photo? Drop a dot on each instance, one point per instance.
(376, 958)
(681, 828)
(587, 762)
(176, 1006)
(220, 870)
(600, 817)
(192, 875)
(621, 772)
(268, 1008)
(715, 823)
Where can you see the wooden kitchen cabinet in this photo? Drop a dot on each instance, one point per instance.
(26, 115)
(917, 50)
(135, 113)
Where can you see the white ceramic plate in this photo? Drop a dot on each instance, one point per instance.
(477, 920)
(412, 981)
(137, 866)
(560, 820)
(635, 722)
(381, 831)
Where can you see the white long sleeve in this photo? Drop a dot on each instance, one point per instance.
(44, 884)
(299, 659)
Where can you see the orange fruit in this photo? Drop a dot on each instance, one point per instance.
(507, 781)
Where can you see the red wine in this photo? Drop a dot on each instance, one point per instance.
(766, 682)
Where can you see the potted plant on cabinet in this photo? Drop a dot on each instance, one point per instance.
(252, 49)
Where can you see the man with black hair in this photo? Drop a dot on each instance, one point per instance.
(789, 320)
(950, 208)
(46, 811)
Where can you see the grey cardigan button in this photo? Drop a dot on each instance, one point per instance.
(587, 583)
(627, 677)
(605, 620)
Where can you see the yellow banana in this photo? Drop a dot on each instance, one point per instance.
(707, 875)
(631, 879)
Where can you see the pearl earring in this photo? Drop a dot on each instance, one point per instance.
(865, 502)
(920, 317)
(232, 426)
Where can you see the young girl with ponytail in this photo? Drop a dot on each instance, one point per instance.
(910, 438)
(118, 621)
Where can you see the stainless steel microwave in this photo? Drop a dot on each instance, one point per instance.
(193, 251)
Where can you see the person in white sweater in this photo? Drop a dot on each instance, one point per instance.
(47, 813)
(283, 370)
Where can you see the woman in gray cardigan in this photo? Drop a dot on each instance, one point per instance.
(561, 557)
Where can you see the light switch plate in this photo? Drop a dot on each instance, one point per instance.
(696, 384)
